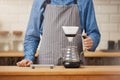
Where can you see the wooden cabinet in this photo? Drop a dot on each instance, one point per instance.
(92, 58)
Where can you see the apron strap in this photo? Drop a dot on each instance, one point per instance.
(48, 1)
(44, 7)
(45, 3)
(75, 1)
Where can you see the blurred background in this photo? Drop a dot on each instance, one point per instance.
(14, 16)
(108, 18)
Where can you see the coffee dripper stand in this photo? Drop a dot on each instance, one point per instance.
(71, 57)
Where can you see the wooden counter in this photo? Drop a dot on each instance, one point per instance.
(102, 54)
(87, 54)
(60, 73)
(12, 54)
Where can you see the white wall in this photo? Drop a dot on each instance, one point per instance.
(14, 14)
(108, 17)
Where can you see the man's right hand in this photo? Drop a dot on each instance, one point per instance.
(24, 63)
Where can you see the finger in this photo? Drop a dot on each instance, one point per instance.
(29, 63)
(88, 48)
(88, 45)
(22, 63)
(18, 63)
(25, 62)
(88, 40)
(84, 36)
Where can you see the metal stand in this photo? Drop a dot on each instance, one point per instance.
(33, 66)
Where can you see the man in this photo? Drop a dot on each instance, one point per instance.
(58, 13)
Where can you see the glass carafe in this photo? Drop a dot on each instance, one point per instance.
(71, 58)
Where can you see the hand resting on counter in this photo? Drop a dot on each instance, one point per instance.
(24, 63)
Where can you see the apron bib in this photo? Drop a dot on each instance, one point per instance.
(53, 37)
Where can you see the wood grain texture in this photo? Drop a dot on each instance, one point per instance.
(60, 70)
(60, 73)
(60, 77)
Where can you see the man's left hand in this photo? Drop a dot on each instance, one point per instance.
(88, 42)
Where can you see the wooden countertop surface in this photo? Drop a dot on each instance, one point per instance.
(12, 54)
(87, 54)
(60, 70)
(102, 54)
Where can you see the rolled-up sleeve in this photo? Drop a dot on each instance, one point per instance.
(91, 26)
(34, 29)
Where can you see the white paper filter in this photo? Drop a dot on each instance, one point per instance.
(70, 30)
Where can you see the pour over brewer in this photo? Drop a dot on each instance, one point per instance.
(71, 58)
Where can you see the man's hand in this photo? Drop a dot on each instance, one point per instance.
(88, 42)
(24, 63)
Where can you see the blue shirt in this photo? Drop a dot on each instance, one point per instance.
(34, 29)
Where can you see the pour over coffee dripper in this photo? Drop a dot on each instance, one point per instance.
(71, 58)
(70, 32)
